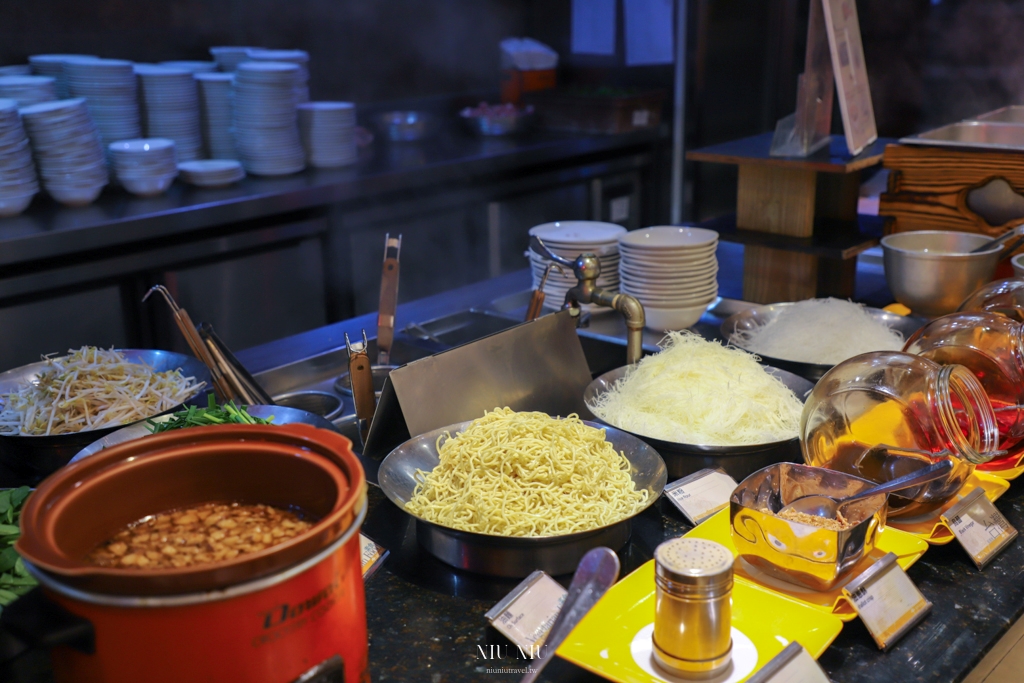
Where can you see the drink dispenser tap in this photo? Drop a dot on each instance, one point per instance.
(587, 269)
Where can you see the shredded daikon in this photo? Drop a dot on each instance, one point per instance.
(824, 331)
(700, 392)
(89, 389)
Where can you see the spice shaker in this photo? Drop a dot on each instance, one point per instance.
(693, 607)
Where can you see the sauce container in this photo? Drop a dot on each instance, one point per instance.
(292, 611)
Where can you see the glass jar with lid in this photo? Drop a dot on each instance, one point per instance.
(992, 347)
(1005, 297)
(884, 414)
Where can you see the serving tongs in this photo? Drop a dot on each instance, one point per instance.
(361, 377)
(538, 296)
(388, 299)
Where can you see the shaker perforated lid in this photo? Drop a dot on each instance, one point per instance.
(694, 562)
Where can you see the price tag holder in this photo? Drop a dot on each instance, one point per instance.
(701, 494)
(979, 526)
(793, 665)
(372, 556)
(525, 615)
(887, 601)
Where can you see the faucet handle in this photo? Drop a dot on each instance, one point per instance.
(537, 246)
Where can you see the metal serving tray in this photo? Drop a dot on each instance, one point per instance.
(972, 135)
(1011, 114)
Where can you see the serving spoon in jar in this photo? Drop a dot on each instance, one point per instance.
(820, 505)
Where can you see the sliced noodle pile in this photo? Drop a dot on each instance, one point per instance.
(526, 474)
(700, 392)
(824, 331)
(89, 389)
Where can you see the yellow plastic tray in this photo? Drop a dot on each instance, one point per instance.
(906, 547)
(1008, 471)
(612, 637)
(931, 529)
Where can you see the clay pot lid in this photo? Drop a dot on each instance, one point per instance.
(288, 466)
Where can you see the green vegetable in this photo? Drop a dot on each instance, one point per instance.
(15, 580)
(213, 414)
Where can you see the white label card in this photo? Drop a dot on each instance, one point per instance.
(701, 494)
(793, 665)
(526, 615)
(887, 601)
(980, 527)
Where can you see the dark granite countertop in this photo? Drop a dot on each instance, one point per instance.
(48, 230)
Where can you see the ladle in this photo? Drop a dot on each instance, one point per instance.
(820, 505)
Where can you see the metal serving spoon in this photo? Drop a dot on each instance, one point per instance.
(820, 505)
(1017, 231)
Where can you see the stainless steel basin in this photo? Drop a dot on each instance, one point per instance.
(458, 328)
(972, 134)
(1011, 114)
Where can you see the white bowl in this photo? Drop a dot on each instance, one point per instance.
(12, 206)
(573, 232)
(75, 195)
(148, 187)
(681, 300)
(666, 319)
(668, 236)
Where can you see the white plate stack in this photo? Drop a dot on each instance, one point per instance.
(170, 103)
(211, 172)
(215, 114)
(228, 57)
(108, 85)
(18, 182)
(327, 130)
(570, 239)
(194, 67)
(67, 150)
(672, 271)
(53, 65)
(26, 90)
(146, 166)
(299, 57)
(16, 70)
(264, 119)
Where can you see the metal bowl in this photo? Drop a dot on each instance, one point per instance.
(931, 272)
(800, 553)
(758, 316)
(35, 457)
(281, 414)
(505, 555)
(405, 126)
(738, 461)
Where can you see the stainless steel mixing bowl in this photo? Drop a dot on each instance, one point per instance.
(931, 272)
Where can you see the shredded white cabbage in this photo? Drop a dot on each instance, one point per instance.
(824, 331)
(700, 392)
(89, 389)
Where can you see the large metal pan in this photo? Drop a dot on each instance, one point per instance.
(755, 317)
(737, 461)
(35, 457)
(282, 415)
(514, 556)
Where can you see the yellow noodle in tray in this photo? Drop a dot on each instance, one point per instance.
(526, 474)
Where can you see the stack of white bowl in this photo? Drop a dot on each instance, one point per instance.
(299, 57)
(16, 70)
(264, 118)
(327, 130)
(53, 65)
(570, 239)
(672, 271)
(108, 85)
(211, 172)
(18, 182)
(192, 66)
(170, 102)
(67, 150)
(228, 57)
(26, 90)
(215, 114)
(145, 166)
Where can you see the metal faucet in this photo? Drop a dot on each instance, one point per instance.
(587, 269)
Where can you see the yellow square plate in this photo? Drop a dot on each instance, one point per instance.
(1010, 470)
(906, 547)
(931, 529)
(614, 639)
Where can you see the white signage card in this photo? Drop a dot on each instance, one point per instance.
(887, 601)
(793, 665)
(701, 494)
(372, 555)
(980, 527)
(593, 27)
(526, 614)
(648, 31)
